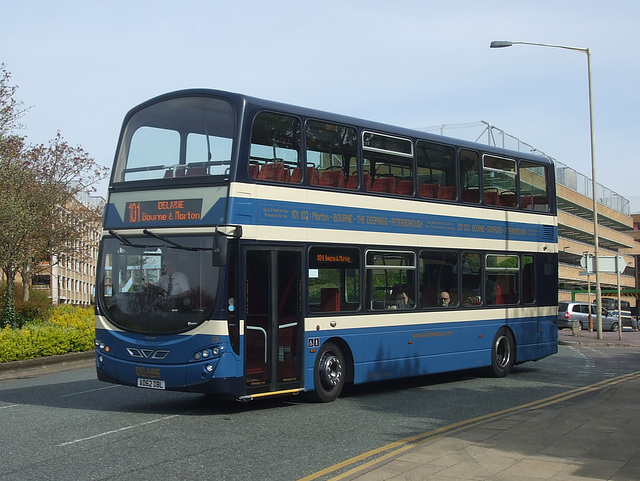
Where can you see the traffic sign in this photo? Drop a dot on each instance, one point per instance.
(606, 264)
(587, 263)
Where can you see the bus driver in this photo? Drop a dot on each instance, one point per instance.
(174, 283)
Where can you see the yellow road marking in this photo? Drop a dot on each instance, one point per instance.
(397, 447)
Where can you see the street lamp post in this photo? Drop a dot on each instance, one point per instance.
(505, 43)
(588, 269)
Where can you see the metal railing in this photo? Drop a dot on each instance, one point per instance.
(565, 175)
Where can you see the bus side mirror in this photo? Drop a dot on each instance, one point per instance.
(221, 240)
(219, 256)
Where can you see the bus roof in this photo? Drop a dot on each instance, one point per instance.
(243, 102)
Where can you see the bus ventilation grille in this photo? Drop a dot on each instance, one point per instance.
(548, 233)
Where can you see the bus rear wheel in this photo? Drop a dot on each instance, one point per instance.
(328, 373)
(503, 353)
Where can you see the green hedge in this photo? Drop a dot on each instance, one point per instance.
(67, 329)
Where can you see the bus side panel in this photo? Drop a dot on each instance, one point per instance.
(389, 353)
(407, 351)
(547, 336)
(525, 333)
(536, 337)
(422, 350)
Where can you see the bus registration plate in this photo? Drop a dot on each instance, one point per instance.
(150, 383)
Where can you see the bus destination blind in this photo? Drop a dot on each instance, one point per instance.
(164, 211)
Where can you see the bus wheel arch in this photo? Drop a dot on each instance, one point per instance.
(503, 353)
(332, 369)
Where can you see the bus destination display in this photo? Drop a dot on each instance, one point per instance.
(164, 211)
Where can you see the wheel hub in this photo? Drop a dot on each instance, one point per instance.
(503, 352)
(330, 370)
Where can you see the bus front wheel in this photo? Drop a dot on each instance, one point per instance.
(328, 373)
(503, 353)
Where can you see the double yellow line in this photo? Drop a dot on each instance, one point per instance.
(369, 458)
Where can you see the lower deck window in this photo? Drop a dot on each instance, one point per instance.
(390, 280)
(334, 279)
(440, 279)
(501, 284)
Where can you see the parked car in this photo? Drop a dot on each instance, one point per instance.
(570, 311)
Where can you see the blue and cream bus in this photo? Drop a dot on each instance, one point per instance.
(252, 248)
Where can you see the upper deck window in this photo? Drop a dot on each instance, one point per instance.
(182, 137)
(332, 154)
(387, 164)
(499, 177)
(533, 187)
(469, 176)
(436, 171)
(275, 147)
(387, 144)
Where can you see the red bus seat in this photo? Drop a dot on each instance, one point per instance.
(384, 184)
(471, 196)
(405, 187)
(507, 199)
(366, 178)
(195, 171)
(429, 191)
(329, 299)
(447, 192)
(332, 178)
(312, 175)
(491, 197)
(272, 171)
(352, 181)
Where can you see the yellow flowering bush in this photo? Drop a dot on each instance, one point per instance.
(67, 329)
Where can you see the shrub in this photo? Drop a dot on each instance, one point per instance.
(36, 308)
(67, 329)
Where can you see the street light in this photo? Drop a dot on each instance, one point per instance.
(506, 43)
(588, 269)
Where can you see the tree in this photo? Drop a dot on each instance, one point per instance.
(11, 148)
(10, 109)
(61, 174)
(39, 214)
(13, 209)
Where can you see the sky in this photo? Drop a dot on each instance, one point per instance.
(81, 65)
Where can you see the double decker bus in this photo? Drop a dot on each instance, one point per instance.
(252, 248)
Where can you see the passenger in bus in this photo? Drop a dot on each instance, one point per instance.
(445, 299)
(400, 300)
(491, 291)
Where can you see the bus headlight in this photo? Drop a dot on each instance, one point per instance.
(208, 353)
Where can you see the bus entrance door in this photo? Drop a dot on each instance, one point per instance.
(273, 331)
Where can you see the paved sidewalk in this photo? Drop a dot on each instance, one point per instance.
(567, 437)
(609, 339)
(45, 365)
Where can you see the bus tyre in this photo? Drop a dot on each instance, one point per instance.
(503, 353)
(328, 373)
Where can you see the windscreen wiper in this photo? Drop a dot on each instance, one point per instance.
(127, 242)
(175, 244)
(120, 238)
